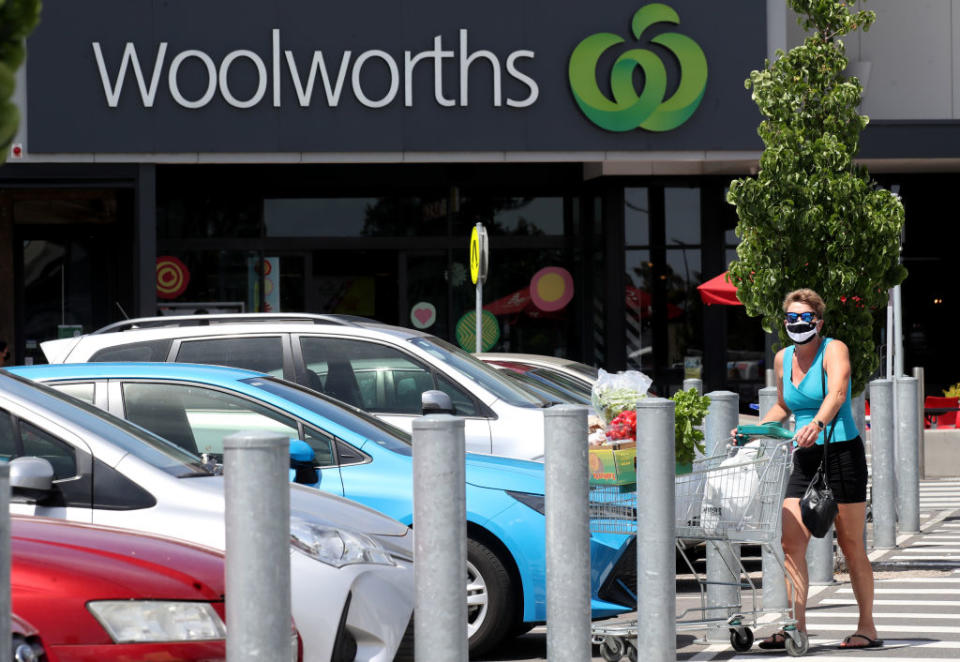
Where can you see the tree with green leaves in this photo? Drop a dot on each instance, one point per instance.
(17, 20)
(812, 217)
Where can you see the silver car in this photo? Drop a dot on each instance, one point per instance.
(380, 368)
(355, 603)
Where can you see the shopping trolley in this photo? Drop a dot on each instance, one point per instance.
(731, 498)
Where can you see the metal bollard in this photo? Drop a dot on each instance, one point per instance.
(256, 469)
(858, 405)
(908, 457)
(918, 374)
(693, 383)
(723, 576)
(883, 492)
(440, 539)
(774, 582)
(656, 532)
(820, 560)
(567, 474)
(5, 652)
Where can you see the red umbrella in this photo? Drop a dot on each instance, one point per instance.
(720, 290)
(510, 304)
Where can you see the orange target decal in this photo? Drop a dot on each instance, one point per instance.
(172, 277)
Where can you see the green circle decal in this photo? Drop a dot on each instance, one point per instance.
(647, 110)
(467, 331)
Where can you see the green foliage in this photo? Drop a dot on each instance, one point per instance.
(811, 217)
(17, 20)
(690, 410)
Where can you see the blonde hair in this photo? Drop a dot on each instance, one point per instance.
(807, 296)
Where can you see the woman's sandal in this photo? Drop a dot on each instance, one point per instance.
(850, 643)
(775, 641)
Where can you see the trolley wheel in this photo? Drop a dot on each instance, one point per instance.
(741, 641)
(631, 652)
(612, 649)
(796, 643)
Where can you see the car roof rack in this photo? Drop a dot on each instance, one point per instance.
(234, 318)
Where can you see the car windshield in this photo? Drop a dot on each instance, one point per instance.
(587, 371)
(549, 395)
(354, 419)
(477, 371)
(563, 381)
(155, 451)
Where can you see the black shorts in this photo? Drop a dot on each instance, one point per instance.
(846, 470)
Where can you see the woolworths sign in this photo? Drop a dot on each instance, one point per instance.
(155, 76)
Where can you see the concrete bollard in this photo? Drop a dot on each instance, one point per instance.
(693, 383)
(656, 545)
(723, 576)
(256, 469)
(883, 493)
(774, 582)
(5, 652)
(567, 474)
(908, 455)
(440, 539)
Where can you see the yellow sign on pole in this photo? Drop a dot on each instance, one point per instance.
(478, 254)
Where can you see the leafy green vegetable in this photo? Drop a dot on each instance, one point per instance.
(691, 409)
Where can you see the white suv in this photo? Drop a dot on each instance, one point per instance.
(379, 368)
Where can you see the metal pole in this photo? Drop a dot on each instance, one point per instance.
(774, 582)
(479, 326)
(567, 512)
(897, 332)
(693, 383)
(921, 396)
(723, 576)
(656, 548)
(5, 651)
(440, 539)
(883, 492)
(770, 377)
(820, 560)
(908, 459)
(256, 469)
(890, 334)
(858, 406)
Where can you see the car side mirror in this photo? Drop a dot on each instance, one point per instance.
(436, 402)
(31, 478)
(303, 462)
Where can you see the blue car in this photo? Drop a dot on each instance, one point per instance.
(370, 461)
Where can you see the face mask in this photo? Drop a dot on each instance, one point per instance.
(802, 332)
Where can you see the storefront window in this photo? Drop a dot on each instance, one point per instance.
(639, 311)
(510, 216)
(390, 216)
(636, 217)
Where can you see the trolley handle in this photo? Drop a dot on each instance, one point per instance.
(770, 430)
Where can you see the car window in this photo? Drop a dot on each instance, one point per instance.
(346, 416)
(547, 393)
(263, 354)
(463, 404)
(477, 371)
(322, 445)
(197, 418)
(365, 374)
(82, 391)
(8, 447)
(37, 443)
(152, 350)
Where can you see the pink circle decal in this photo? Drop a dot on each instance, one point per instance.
(551, 288)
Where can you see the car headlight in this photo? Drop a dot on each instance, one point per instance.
(130, 621)
(535, 501)
(336, 547)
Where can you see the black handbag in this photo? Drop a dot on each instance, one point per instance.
(818, 507)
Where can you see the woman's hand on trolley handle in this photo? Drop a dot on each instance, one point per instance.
(807, 435)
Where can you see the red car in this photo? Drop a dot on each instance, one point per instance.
(97, 594)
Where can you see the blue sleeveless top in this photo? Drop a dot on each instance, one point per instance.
(804, 401)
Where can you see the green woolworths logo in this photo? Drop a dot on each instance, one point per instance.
(648, 110)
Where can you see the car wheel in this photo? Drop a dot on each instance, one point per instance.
(490, 610)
